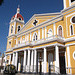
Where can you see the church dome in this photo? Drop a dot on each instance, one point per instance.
(18, 15)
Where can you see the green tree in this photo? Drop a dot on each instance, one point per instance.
(1, 1)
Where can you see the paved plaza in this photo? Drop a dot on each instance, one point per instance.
(39, 74)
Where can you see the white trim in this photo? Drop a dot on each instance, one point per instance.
(54, 27)
(64, 2)
(45, 32)
(69, 2)
(30, 36)
(42, 32)
(70, 44)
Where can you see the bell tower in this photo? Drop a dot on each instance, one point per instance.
(16, 23)
(68, 3)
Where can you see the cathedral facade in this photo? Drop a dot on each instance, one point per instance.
(45, 43)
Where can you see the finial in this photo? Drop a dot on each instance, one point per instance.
(18, 9)
(18, 6)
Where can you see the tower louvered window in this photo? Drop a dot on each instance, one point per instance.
(18, 28)
(12, 29)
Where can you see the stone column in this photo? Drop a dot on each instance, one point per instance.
(13, 62)
(16, 59)
(24, 62)
(69, 64)
(28, 62)
(32, 61)
(5, 60)
(57, 69)
(35, 58)
(45, 60)
(10, 59)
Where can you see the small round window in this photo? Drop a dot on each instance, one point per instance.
(73, 19)
(19, 18)
(74, 55)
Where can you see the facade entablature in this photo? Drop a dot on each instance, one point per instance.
(44, 24)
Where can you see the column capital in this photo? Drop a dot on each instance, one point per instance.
(25, 49)
(45, 48)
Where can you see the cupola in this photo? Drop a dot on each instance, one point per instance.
(18, 16)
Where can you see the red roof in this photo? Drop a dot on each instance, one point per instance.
(18, 16)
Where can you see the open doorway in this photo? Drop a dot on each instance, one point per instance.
(62, 63)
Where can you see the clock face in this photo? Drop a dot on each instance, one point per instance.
(72, 0)
(73, 19)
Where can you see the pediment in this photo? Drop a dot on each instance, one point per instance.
(37, 19)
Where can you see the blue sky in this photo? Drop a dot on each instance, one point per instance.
(27, 9)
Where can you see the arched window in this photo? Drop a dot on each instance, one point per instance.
(71, 30)
(12, 29)
(72, 0)
(60, 30)
(34, 37)
(50, 32)
(18, 28)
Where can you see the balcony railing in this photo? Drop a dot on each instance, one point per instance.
(41, 41)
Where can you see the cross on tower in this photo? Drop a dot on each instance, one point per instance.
(35, 22)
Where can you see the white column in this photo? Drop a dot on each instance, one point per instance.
(45, 60)
(24, 62)
(5, 60)
(16, 60)
(32, 61)
(69, 64)
(13, 62)
(10, 59)
(35, 58)
(57, 69)
(28, 62)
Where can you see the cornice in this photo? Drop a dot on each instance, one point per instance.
(11, 36)
(66, 9)
(17, 21)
